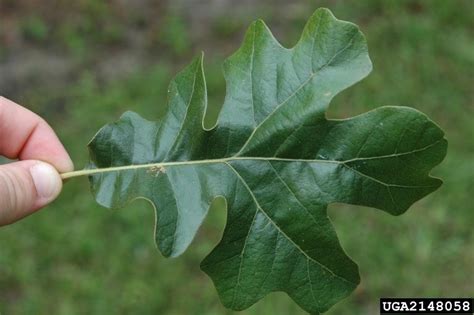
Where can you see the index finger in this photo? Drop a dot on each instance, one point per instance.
(26, 136)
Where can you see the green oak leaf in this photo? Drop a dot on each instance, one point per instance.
(276, 160)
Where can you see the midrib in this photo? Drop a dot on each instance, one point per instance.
(87, 172)
(237, 158)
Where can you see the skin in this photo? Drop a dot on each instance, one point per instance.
(33, 181)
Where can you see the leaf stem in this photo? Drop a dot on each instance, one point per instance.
(79, 173)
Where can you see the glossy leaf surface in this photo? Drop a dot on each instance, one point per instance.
(276, 160)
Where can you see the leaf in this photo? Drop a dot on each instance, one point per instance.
(277, 161)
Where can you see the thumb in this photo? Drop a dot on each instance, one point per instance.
(25, 187)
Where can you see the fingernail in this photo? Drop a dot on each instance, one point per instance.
(46, 179)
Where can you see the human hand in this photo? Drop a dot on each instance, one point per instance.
(34, 181)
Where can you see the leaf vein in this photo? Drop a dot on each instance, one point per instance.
(281, 231)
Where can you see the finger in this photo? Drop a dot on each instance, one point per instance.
(25, 187)
(26, 136)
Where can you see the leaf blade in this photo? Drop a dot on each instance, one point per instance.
(277, 160)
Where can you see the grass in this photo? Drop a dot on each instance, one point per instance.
(75, 257)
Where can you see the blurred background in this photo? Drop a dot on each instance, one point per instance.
(80, 64)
